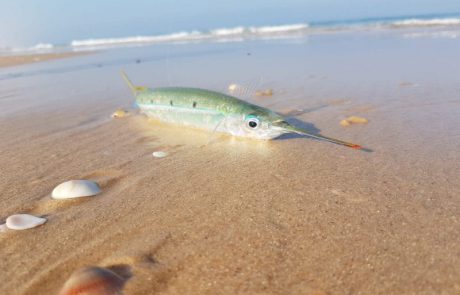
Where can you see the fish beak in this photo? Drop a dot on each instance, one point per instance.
(288, 128)
(281, 126)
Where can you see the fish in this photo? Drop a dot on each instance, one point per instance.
(216, 112)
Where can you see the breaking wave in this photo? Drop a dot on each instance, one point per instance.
(416, 22)
(217, 34)
(241, 33)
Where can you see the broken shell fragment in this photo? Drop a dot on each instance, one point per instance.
(23, 221)
(359, 120)
(75, 189)
(353, 120)
(344, 122)
(120, 113)
(93, 281)
(267, 92)
(159, 154)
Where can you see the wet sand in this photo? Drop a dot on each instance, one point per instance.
(234, 216)
(14, 60)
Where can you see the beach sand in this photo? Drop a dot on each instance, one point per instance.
(222, 215)
(14, 60)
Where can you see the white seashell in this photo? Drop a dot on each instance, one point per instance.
(159, 154)
(75, 189)
(232, 87)
(3, 228)
(93, 280)
(23, 221)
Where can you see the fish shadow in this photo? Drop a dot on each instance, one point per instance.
(311, 128)
(298, 112)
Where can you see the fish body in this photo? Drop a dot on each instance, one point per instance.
(216, 112)
(209, 110)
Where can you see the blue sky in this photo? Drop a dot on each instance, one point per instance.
(27, 22)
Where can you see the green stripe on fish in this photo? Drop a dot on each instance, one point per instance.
(215, 111)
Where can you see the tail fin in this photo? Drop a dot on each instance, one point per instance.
(134, 89)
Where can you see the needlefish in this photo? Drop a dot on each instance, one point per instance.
(216, 112)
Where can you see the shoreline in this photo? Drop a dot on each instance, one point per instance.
(22, 59)
(240, 216)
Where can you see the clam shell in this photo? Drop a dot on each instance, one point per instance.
(93, 281)
(159, 154)
(75, 189)
(24, 221)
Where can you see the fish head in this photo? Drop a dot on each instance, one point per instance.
(265, 124)
(259, 124)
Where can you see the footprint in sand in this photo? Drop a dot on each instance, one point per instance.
(146, 274)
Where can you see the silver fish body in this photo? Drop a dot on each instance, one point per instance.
(217, 112)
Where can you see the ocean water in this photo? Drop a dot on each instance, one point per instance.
(449, 23)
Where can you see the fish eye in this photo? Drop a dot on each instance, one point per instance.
(252, 123)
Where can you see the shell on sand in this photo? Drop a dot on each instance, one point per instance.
(266, 92)
(344, 122)
(232, 87)
(236, 89)
(120, 113)
(353, 120)
(24, 221)
(93, 281)
(359, 120)
(159, 154)
(75, 189)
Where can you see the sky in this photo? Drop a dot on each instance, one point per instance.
(25, 23)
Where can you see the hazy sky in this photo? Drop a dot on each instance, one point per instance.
(27, 22)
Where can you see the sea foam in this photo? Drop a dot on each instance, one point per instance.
(242, 33)
(416, 22)
(236, 33)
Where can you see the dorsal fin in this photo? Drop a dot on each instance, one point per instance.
(134, 89)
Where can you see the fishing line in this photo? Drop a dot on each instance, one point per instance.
(168, 55)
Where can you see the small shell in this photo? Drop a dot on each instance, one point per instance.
(93, 281)
(159, 154)
(75, 189)
(120, 113)
(24, 221)
(232, 87)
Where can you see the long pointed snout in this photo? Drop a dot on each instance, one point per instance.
(292, 129)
